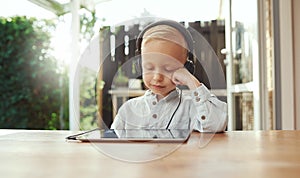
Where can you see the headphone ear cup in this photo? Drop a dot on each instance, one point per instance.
(138, 65)
(189, 65)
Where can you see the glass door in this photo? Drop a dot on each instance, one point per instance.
(242, 65)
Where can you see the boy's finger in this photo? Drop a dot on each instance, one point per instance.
(175, 81)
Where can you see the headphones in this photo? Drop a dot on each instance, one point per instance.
(189, 64)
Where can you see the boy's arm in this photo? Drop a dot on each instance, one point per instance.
(118, 122)
(208, 111)
(211, 113)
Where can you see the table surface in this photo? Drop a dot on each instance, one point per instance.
(34, 153)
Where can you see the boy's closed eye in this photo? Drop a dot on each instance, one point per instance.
(170, 69)
(164, 69)
(148, 67)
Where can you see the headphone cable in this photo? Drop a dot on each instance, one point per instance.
(180, 96)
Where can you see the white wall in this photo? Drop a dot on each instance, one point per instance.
(286, 65)
(296, 41)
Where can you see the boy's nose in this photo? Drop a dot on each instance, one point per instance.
(158, 76)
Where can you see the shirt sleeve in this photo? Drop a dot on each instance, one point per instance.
(119, 122)
(211, 113)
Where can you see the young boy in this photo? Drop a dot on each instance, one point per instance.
(164, 51)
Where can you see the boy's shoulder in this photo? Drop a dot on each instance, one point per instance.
(133, 103)
(135, 100)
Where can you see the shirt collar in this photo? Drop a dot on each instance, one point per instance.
(173, 94)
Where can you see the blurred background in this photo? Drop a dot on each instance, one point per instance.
(45, 83)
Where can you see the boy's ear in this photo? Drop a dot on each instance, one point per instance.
(137, 62)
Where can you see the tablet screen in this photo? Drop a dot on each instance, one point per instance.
(161, 135)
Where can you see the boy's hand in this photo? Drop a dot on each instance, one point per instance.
(183, 77)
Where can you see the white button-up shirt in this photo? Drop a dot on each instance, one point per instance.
(196, 109)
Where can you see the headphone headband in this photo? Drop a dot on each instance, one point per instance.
(186, 34)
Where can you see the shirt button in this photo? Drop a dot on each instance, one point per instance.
(154, 116)
(198, 99)
(195, 93)
(203, 117)
(154, 102)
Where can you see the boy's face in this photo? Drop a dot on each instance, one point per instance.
(160, 59)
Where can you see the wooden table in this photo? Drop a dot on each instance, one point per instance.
(230, 154)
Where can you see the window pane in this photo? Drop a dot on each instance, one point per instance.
(244, 111)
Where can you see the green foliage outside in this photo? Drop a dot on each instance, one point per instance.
(34, 89)
(88, 105)
(33, 92)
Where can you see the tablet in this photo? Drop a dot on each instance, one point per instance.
(133, 135)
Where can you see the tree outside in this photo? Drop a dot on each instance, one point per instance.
(33, 92)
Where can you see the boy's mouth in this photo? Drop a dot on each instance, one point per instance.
(157, 86)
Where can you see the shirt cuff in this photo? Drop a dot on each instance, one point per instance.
(200, 94)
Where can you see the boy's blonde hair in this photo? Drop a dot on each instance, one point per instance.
(166, 33)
